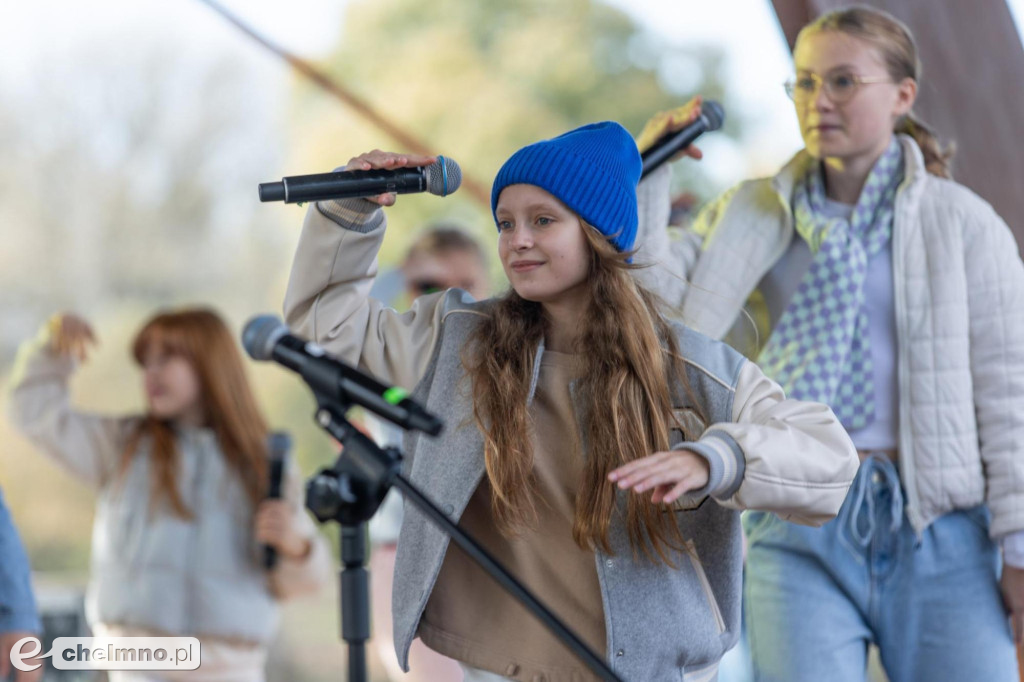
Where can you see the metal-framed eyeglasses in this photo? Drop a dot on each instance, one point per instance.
(839, 87)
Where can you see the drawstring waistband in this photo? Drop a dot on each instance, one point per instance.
(874, 467)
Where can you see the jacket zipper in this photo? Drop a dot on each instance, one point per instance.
(705, 585)
(906, 452)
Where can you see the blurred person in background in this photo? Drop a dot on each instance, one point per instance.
(18, 615)
(181, 512)
(862, 276)
(444, 256)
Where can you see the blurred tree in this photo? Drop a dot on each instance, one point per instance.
(129, 184)
(135, 180)
(477, 80)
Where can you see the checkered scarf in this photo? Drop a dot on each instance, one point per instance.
(819, 350)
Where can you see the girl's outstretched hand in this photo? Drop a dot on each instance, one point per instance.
(668, 122)
(670, 474)
(387, 161)
(71, 336)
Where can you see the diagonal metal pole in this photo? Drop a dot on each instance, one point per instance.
(406, 140)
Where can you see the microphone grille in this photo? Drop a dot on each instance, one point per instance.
(443, 177)
(713, 114)
(260, 335)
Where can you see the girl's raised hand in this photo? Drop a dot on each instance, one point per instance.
(670, 474)
(668, 122)
(71, 336)
(387, 161)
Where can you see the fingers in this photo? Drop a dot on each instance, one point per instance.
(275, 526)
(657, 473)
(378, 159)
(668, 495)
(657, 469)
(627, 474)
(671, 121)
(273, 519)
(385, 199)
(693, 152)
(686, 114)
(71, 335)
(273, 509)
(671, 474)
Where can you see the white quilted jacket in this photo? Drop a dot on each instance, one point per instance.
(959, 300)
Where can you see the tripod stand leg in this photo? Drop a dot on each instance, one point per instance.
(355, 599)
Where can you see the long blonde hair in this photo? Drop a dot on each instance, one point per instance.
(627, 356)
(201, 337)
(896, 44)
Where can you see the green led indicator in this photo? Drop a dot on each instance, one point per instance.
(395, 395)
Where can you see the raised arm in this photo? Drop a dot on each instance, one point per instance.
(328, 291)
(667, 255)
(88, 445)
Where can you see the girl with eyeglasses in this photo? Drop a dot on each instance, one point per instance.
(862, 276)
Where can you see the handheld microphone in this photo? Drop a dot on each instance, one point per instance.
(711, 118)
(278, 446)
(265, 337)
(441, 178)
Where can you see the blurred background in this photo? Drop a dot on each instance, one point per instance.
(133, 135)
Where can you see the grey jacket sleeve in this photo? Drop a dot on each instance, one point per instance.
(17, 605)
(87, 445)
(786, 456)
(328, 296)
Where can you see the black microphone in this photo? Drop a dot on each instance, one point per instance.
(279, 444)
(441, 178)
(711, 117)
(265, 337)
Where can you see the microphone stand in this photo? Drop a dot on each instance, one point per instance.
(350, 492)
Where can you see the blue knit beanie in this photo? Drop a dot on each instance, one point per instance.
(593, 170)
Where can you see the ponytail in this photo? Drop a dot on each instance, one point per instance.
(938, 158)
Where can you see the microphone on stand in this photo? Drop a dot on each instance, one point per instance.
(266, 337)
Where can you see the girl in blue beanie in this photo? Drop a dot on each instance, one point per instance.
(598, 451)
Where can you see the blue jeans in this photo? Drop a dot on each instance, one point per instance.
(816, 597)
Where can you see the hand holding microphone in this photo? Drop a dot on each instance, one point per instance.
(376, 176)
(276, 522)
(279, 445)
(378, 160)
(672, 132)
